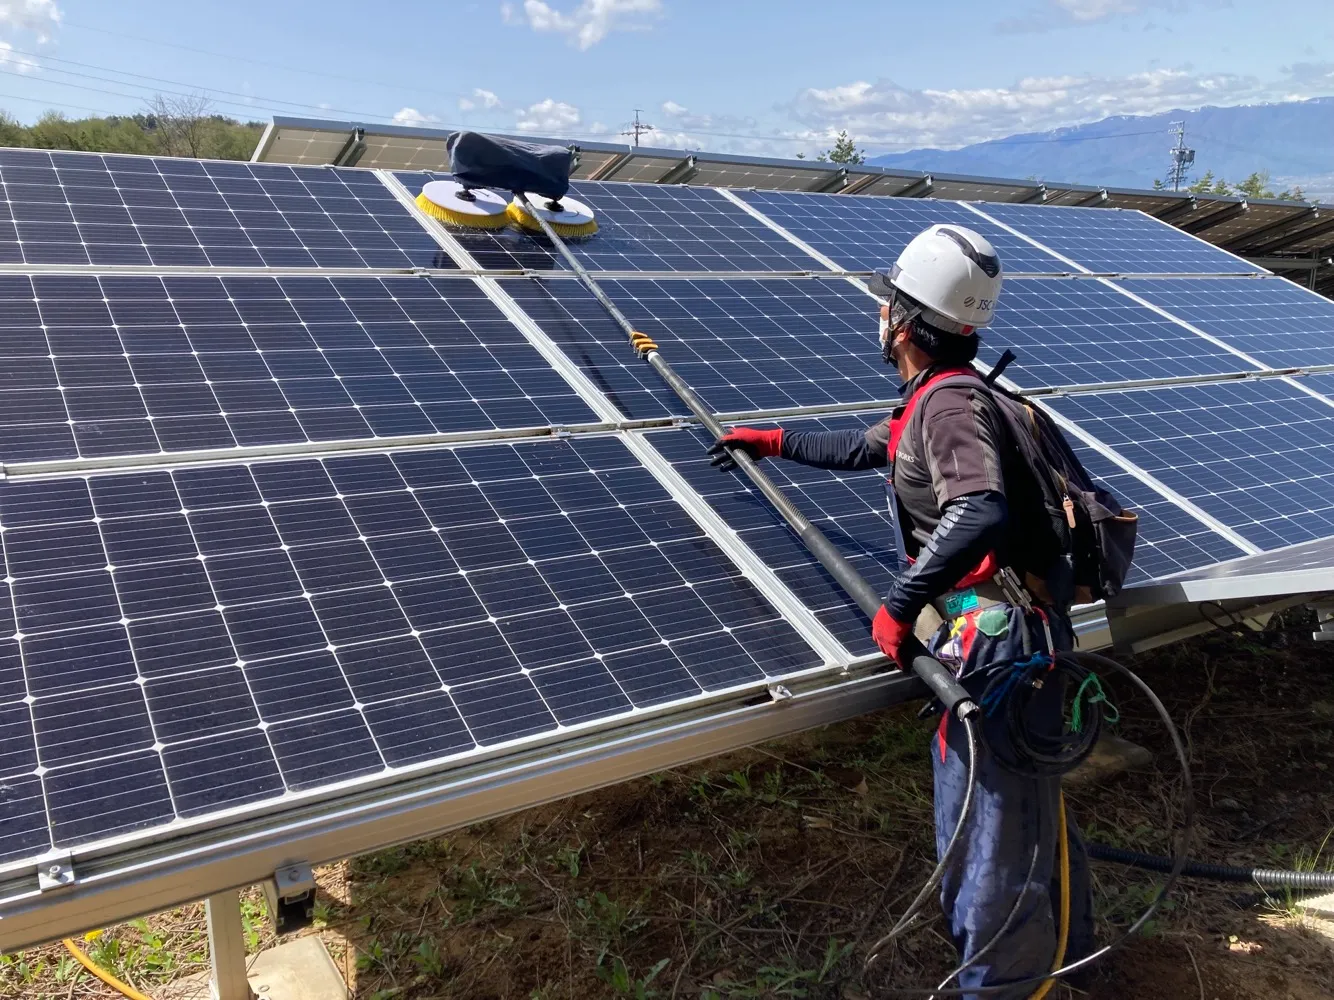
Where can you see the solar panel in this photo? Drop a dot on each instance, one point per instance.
(1115, 240)
(1274, 321)
(863, 233)
(1170, 539)
(117, 365)
(91, 208)
(742, 344)
(1257, 455)
(642, 227)
(1080, 332)
(851, 508)
(1296, 569)
(190, 640)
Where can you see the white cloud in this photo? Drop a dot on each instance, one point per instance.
(1078, 12)
(588, 23)
(41, 17)
(886, 115)
(674, 109)
(548, 116)
(479, 99)
(1096, 10)
(411, 116)
(12, 60)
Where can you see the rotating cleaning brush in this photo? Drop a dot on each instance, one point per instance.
(452, 203)
(568, 217)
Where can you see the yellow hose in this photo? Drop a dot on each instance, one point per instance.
(1064, 936)
(122, 988)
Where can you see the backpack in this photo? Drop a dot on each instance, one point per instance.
(1078, 541)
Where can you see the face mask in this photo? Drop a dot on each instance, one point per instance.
(886, 338)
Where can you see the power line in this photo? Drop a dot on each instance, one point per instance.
(177, 83)
(251, 60)
(58, 104)
(285, 67)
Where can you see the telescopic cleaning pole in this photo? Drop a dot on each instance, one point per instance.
(951, 694)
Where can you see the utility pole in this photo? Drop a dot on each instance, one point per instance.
(1182, 158)
(638, 128)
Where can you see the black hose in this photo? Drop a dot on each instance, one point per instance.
(1273, 877)
(1048, 755)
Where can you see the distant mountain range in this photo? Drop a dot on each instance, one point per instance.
(1294, 141)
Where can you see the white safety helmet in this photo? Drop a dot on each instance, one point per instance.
(951, 275)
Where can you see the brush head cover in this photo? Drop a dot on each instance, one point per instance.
(449, 202)
(509, 165)
(571, 218)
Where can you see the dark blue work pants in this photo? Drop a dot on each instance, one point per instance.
(1011, 816)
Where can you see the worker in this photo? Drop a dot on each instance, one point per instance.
(951, 461)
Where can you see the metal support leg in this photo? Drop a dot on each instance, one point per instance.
(226, 947)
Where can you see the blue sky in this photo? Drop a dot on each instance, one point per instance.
(728, 75)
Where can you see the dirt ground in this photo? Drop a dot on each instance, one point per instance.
(768, 872)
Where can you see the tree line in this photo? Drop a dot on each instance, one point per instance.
(1254, 186)
(168, 126)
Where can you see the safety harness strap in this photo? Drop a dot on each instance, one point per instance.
(899, 422)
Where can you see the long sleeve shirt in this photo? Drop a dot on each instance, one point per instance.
(947, 479)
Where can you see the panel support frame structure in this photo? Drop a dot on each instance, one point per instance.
(682, 172)
(226, 948)
(920, 188)
(353, 149)
(1250, 239)
(1197, 226)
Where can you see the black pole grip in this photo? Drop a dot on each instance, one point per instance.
(949, 691)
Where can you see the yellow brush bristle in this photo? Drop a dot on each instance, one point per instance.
(497, 221)
(521, 218)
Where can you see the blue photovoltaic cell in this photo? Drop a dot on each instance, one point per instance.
(189, 640)
(862, 233)
(851, 508)
(1115, 240)
(1080, 332)
(1169, 538)
(642, 227)
(1257, 455)
(90, 208)
(744, 344)
(1280, 324)
(95, 366)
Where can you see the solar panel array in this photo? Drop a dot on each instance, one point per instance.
(850, 508)
(335, 618)
(1257, 455)
(116, 365)
(93, 208)
(860, 232)
(281, 534)
(1277, 323)
(742, 344)
(1116, 240)
(1087, 332)
(642, 227)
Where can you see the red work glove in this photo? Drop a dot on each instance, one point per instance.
(889, 633)
(755, 443)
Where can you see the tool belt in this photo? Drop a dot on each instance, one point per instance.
(949, 606)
